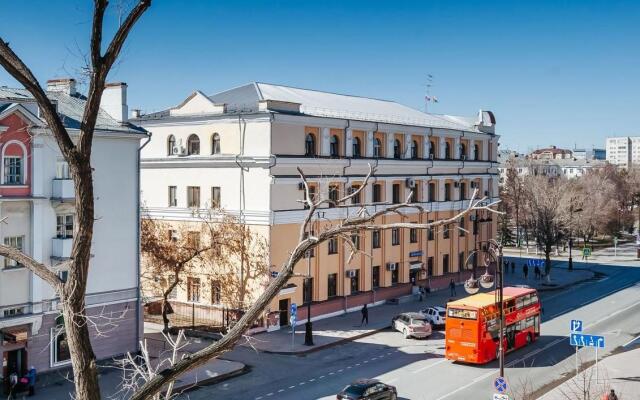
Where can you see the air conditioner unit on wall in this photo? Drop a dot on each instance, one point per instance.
(391, 266)
(410, 182)
(352, 273)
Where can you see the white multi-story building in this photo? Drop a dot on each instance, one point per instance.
(623, 151)
(37, 205)
(239, 150)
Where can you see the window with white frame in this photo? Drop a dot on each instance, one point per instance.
(193, 196)
(16, 242)
(13, 170)
(64, 226)
(62, 170)
(60, 353)
(215, 197)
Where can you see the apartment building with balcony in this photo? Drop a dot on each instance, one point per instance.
(239, 150)
(37, 206)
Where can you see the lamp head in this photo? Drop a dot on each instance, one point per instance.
(471, 286)
(487, 280)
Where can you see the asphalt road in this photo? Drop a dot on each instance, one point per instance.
(608, 305)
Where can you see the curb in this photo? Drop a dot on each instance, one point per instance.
(326, 345)
(211, 381)
(566, 285)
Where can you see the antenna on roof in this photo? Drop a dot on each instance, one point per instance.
(429, 98)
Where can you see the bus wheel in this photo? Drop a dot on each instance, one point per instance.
(528, 338)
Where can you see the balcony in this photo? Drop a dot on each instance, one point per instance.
(63, 189)
(61, 248)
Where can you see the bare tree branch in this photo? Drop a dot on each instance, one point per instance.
(39, 269)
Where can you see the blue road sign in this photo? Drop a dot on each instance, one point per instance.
(294, 309)
(500, 384)
(274, 274)
(532, 262)
(579, 339)
(576, 325)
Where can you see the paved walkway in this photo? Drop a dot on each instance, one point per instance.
(54, 385)
(620, 372)
(625, 253)
(332, 331)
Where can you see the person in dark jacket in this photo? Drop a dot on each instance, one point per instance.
(365, 315)
(31, 375)
(452, 287)
(525, 270)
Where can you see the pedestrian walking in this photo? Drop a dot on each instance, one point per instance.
(513, 267)
(365, 315)
(536, 272)
(452, 287)
(612, 395)
(31, 375)
(525, 270)
(13, 383)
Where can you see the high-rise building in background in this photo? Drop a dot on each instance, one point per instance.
(623, 151)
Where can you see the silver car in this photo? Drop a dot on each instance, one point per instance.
(436, 315)
(411, 324)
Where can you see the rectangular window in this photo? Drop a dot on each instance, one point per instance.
(377, 192)
(12, 170)
(445, 263)
(312, 251)
(430, 232)
(375, 239)
(173, 201)
(463, 190)
(312, 194)
(475, 225)
(355, 282)
(461, 261)
(216, 292)
(432, 192)
(413, 235)
(356, 198)
(355, 238)
(62, 170)
(395, 236)
(333, 195)
(193, 239)
(193, 196)
(307, 290)
(215, 197)
(395, 274)
(16, 242)
(375, 277)
(430, 266)
(64, 226)
(445, 232)
(396, 193)
(332, 285)
(461, 226)
(61, 352)
(333, 245)
(447, 192)
(415, 193)
(193, 289)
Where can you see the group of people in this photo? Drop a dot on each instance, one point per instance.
(17, 384)
(538, 274)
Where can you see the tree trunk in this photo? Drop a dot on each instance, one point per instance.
(165, 303)
(85, 371)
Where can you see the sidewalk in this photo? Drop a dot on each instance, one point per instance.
(346, 327)
(625, 253)
(54, 385)
(620, 372)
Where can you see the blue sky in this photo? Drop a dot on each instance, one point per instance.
(554, 72)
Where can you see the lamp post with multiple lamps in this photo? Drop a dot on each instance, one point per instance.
(493, 256)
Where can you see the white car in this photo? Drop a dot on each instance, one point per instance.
(411, 324)
(436, 315)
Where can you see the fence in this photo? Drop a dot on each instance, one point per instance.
(195, 316)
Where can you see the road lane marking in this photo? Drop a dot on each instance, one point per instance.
(428, 366)
(292, 386)
(281, 390)
(321, 377)
(269, 394)
(312, 379)
(301, 383)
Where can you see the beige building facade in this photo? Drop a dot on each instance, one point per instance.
(239, 150)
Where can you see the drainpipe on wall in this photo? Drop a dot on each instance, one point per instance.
(138, 269)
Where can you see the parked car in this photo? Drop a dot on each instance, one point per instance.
(411, 324)
(368, 389)
(435, 315)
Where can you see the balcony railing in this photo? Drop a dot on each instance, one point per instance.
(63, 189)
(61, 247)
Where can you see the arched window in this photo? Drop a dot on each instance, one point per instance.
(447, 151)
(215, 144)
(432, 149)
(356, 147)
(310, 145)
(334, 146)
(397, 149)
(14, 163)
(377, 148)
(171, 142)
(414, 150)
(193, 145)
(463, 151)
(476, 152)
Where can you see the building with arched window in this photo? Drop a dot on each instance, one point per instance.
(333, 139)
(37, 201)
(215, 143)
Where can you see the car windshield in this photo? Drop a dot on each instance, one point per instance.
(354, 390)
(417, 320)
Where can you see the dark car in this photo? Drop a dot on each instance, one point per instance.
(368, 389)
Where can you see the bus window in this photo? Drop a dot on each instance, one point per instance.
(519, 303)
(534, 298)
(527, 300)
(461, 313)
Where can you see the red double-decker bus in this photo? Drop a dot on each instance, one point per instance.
(472, 324)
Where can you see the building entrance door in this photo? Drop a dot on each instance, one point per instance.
(283, 306)
(13, 361)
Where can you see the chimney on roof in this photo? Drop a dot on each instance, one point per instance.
(64, 85)
(114, 101)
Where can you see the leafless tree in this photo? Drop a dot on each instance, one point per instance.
(512, 196)
(363, 220)
(77, 153)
